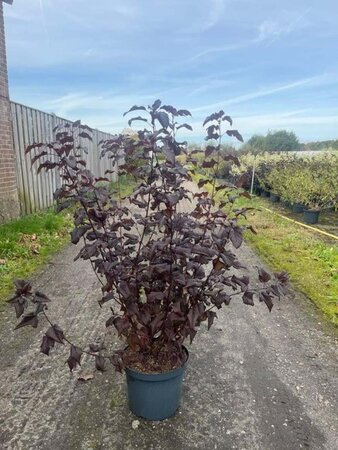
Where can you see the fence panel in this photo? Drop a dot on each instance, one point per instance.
(31, 125)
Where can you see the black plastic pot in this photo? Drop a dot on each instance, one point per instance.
(298, 208)
(155, 396)
(286, 203)
(265, 194)
(311, 216)
(274, 198)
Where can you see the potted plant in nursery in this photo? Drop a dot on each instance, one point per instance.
(164, 271)
(317, 192)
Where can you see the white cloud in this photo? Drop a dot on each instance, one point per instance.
(268, 31)
(271, 30)
(223, 48)
(311, 81)
(216, 10)
(213, 13)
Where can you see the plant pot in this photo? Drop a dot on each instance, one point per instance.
(274, 198)
(286, 204)
(265, 194)
(311, 216)
(297, 208)
(155, 396)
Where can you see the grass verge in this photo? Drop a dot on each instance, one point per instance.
(29, 242)
(310, 259)
(125, 185)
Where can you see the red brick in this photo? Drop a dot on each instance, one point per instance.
(8, 187)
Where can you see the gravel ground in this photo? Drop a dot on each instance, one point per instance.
(257, 380)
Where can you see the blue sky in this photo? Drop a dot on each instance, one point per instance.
(269, 64)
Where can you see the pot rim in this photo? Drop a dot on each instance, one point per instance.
(161, 375)
(312, 210)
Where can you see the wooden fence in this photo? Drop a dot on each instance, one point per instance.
(31, 125)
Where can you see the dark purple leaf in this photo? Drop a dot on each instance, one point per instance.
(170, 109)
(28, 320)
(209, 164)
(130, 121)
(163, 118)
(267, 299)
(55, 333)
(228, 119)
(76, 353)
(263, 276)
(135, 108)
(77, 234)
(22, 287)
(236, 237)
(100, 363)
(209, 150)
(282, 277)
(248, 298)
(41, 297)
(201, 183)
(40, 155)
(46, 345)
(214, 116)
(185, 125)
(236, 134)
(183, 112)
(19, 309)
(211, 317)
(157, 103)
(85, 135)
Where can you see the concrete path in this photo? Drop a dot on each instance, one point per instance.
(255, 381)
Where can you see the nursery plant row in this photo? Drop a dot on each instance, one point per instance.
(305, 184)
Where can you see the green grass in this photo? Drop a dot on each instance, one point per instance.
(126, 185)
(29, 242)
(310, 259)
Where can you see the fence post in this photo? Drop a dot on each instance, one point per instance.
(9, 202)
(253, 176)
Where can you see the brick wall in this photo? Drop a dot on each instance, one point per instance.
(9, 206)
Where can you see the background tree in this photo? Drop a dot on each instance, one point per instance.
(281, 140)
(274, 141)
(257, 142)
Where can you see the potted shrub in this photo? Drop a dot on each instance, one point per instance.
(298, 208)
(274, 197)
(317, 192)
(163, 271)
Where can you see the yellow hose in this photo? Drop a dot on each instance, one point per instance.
(301, 224)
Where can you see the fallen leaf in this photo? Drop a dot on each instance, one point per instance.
(2, 261)
(86, 377)
(35, 248)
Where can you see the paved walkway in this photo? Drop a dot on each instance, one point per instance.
(255, 381)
